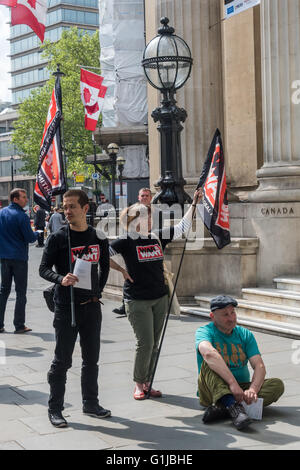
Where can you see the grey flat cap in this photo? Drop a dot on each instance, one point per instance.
(221, 302)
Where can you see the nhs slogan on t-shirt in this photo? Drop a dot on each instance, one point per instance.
(233, 7)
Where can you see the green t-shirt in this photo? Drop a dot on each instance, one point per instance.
(236, 349)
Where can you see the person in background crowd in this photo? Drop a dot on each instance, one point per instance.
(39, 225)
(91, 214)
(56, 221)
(15, 235)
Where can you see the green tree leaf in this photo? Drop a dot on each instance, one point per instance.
(75, 47)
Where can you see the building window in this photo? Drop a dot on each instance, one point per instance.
(6, 149)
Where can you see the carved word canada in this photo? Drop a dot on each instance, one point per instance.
(276, 211)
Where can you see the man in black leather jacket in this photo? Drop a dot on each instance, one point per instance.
(86, 245)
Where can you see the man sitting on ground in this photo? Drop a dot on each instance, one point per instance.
(223, 352)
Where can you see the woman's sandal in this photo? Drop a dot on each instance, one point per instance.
(139, 395)
(153, 393)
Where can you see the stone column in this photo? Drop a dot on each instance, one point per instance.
(242, 100)
(201, 96)
(279, 178)
(153, 100)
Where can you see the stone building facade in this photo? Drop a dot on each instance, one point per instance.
(245, 81)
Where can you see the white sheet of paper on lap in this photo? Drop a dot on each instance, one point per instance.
(83, 270)
(255, 410)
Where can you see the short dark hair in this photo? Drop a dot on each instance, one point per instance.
(81, 195)
(15, 193)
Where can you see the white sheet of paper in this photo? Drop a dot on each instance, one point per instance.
(254, 411)
(83, 270)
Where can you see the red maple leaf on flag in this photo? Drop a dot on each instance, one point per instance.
(32, 3)
(92, 109)
(87, 95)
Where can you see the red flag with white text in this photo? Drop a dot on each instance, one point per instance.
(32, 13)
(215, 209)
(50, 179)
(92, 96)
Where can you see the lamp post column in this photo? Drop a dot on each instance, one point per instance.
(12, 171)
(95, 164)
(121, 179)
(113, 178)
(113, 150)
(171, 182)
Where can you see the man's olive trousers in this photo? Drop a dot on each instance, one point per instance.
(212, 387)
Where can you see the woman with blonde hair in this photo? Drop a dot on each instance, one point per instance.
(145, 291)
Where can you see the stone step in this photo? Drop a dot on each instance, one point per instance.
(259, 310)
(276, 328)
(274, 296)
(291, 283)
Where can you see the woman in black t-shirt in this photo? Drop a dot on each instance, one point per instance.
(145, 291)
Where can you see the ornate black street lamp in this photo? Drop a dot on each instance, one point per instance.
(167, 65)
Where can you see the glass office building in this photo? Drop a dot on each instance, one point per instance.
(28, 69)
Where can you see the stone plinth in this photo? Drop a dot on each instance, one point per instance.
(277, 226)
(205, 269)
(211, 270)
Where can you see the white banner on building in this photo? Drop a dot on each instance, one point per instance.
(233, 7)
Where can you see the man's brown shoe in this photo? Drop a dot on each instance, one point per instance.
(22, 330)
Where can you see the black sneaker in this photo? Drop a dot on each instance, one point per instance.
(120, 310)
(56, 419)
(239, 416)
(215, 413)
(96, 411)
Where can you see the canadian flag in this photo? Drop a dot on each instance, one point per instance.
(8, 3)
(92, 96)
(32, 13)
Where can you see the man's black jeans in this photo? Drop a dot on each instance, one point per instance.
(17, 270)
(41, 237)
(88, 325)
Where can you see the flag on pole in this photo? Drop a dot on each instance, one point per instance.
(92, 96)
(8, 3)
(215, 211)
(32, 13)
(50, 179)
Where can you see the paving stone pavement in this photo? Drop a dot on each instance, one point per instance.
(170, 423)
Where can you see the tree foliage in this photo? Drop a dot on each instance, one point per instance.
(75, 47)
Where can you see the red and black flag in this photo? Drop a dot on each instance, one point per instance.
(215, 213)
(50, 179)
